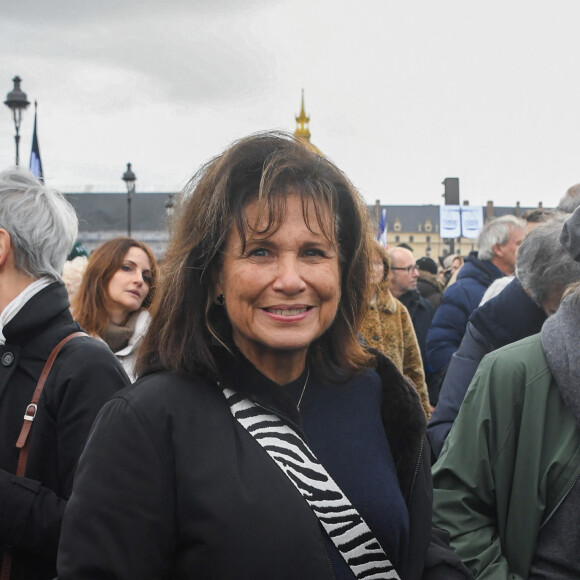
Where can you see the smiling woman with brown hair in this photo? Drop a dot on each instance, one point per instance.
(262, 440)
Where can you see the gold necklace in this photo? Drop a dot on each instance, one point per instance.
(304, 387)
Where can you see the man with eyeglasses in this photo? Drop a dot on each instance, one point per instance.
(403, 276)
(404, 272)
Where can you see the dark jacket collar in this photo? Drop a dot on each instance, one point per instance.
(44, 307)
(403, 418)
(238, 373)
(415, 303)
(411, 298)
(509, 316)
(481, 270)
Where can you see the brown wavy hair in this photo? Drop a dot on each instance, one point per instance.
(381, 252)
(89, 304)
(186, 322)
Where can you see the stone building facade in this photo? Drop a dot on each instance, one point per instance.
(418, 227)
(103, 216)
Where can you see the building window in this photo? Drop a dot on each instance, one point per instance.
(397, 239)
(410, 238)
(428, 238)
(428, 226)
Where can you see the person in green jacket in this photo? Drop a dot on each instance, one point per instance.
(505, 485)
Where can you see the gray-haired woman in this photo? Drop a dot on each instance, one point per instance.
(37, 230)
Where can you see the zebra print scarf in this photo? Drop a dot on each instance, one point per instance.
(342, 522)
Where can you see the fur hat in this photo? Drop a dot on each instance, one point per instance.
(570, 236)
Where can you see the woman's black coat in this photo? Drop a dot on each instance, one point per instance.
(85, 374)
(171, 486)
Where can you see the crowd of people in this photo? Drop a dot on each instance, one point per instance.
(281, 396)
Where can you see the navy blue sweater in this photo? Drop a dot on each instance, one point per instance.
(343, 426)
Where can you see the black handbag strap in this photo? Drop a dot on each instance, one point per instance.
(23, 441)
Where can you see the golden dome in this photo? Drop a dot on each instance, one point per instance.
(302, 127)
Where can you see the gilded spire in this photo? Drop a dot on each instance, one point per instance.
(302, 121)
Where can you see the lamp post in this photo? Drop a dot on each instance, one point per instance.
(169, 206)
(129, 178)
(16, 102)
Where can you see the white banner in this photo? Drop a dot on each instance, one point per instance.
(460, 220)
(471, 221)
(450, 221)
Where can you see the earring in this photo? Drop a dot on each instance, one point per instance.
(221, 299)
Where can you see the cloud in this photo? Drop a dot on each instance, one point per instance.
(174, 51)
(401, 95)
(73, 12)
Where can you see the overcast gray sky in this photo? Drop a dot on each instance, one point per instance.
(401, 94)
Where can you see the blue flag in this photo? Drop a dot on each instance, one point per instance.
(35, 162)
(382, 235)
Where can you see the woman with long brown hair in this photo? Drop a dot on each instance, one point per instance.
(388, 327)
(115, 292)
(261, 440)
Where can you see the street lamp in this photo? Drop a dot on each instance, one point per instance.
(129, 178)
(169, 206)
(16, 102)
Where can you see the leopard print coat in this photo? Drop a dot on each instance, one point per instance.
(388, 327)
